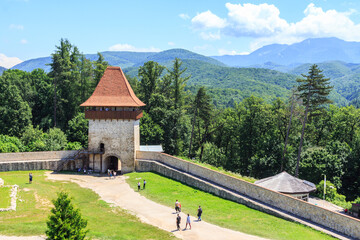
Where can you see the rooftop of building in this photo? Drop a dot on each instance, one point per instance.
(286, 183)
(113, 90)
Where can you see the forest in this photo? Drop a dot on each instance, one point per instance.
(304, 134)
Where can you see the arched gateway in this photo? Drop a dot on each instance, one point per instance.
(113, 111)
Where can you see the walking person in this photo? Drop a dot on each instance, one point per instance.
(177, 206)
(144, 183)
(178, 221)
(114, 174)
(138, 186)
(30, 178)
(199, 213)
(188, 222)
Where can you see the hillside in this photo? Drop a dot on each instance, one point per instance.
(228, 85)
(309, 50)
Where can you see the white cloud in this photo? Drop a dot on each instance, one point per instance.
(16, 27)
(171, 43)
(263, 23)
(210, 36)
(254, 20)
(8, 62)
(184, 16)
(202, 47)
(23, 41)
(231, 52)
(208, 20)
(130, 48)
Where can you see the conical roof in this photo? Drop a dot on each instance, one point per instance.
(285, 183)
(113, 90)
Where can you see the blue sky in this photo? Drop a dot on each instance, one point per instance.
(32, 28)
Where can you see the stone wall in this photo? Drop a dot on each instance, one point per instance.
(120, 138)
(35, 156)
(28, 161)
(339, 222)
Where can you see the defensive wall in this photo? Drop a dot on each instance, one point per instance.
(27, 161)
(158, 162)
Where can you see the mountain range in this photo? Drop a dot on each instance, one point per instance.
(270, 71)
(312, 50)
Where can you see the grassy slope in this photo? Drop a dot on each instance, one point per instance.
(219, 169)
(104, 222)
(5, 199)
(221, 212)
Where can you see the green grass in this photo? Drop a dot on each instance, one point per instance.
(34, 204)
(5, 199)
(219, 211)
(219, 169)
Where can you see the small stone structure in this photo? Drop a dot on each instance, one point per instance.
(287, 184)
(158, 162)
(113, 111)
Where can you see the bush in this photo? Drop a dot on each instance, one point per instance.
(55, 140)
(213, 155)
(10, 144)
(331, 194)
(65, 222)
(73, 146)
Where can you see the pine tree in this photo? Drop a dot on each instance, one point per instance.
(65, 221)
(314, 91)
(202, 108)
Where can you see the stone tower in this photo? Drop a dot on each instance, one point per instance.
(113, 111)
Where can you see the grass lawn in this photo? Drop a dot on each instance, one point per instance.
(219, 169)
(220, 211)
(34, 204)
(5, 199)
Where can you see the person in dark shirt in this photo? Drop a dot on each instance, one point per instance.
(178, 221)
(199, 213)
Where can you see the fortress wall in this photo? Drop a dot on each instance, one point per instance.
(30, 161)
(339, 222)
(35, 156)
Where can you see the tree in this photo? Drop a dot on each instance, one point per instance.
(149, 75)
(77, 130)
(15, 113)
(178, 82)
(65, 221)
(202, 108)
(100, 66)
(65, 71)
(314, 91)
(55, 140)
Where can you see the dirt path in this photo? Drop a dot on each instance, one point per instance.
(119, 193)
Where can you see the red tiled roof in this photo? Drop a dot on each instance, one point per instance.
(113, 90)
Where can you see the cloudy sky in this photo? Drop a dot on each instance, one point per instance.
(32, 28)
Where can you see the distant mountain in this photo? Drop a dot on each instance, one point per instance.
(170, 55)
(124, 59)
(308, 51)
(32, 64)
(2, 69)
